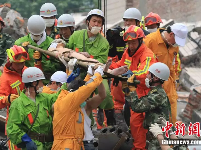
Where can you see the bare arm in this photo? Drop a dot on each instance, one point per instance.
(95, 101)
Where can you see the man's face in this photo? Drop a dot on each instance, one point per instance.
(133, 45)
(66, 31)
(18, 66)
(95, 21)
(129, 22)
(170, 38)
(55, 86)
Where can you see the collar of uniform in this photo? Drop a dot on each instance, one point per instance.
(159, 36)
(7, 70)
(95, 42)
(26, 101)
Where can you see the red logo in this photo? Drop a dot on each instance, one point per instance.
(158, 71)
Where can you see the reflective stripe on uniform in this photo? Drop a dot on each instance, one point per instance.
(179, 63)
(127, 62)
(120, 49)
(145, 69)
(16, 85)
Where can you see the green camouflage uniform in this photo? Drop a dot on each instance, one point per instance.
(5, 42)
(155, 104)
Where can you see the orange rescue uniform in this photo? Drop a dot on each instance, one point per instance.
(167, 56)
(10, 83)
(139, 64)
(68, 120)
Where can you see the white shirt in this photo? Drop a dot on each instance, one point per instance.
(88, 135)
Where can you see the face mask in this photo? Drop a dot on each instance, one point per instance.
(83, 104)
(152, 30)
(147, 82)
(49, 22)
(40, 90)
(35, 38)
(58, 88)
(95, 30)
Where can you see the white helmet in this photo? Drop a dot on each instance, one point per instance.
(36, 25)
(132, 13)
(48, 10)
(97, 12)
(32, 74)
(59, 76)
(66, 20)
(160, 70)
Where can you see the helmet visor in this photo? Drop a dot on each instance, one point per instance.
(21, 57)
(130, 36)
(151, 20)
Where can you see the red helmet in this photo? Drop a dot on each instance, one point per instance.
(1, 20)
(17, 54)
(132, 33)
(152, 18)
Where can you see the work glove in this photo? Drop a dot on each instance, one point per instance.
(73, 75)
(132, 81)
(59, 41)
(38, 57)
(90, 70)
(99, 70)
(128, 74)
(30, 145)
(155, 129)
(61, 58)
(71, 64)
(10, 98)
(24, 44)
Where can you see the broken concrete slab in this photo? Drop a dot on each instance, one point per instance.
(190, 77)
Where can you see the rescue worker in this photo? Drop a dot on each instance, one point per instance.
(155, 104)
(5, 42)
(66, 25)
(152, 22)
(164, 44)
(48, 12)
(11, 80)
(30, 121)
(68, 124)
(38, 38)
(138, 58)
(91, 43)
(56, 81)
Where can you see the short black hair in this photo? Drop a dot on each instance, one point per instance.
(103, 19)
(169, 29)
(75, 84)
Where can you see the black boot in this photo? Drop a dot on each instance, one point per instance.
(110, 117)
(100, 116)
(127, 113)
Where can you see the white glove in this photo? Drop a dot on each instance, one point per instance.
(99, 70)
(72, 63)
(155, 129)
(61, 58)
(59, 41)
(90, 70)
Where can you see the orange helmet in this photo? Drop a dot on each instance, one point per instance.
(132, 33)
(1, 20)
(17, 54)
(152, 18)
